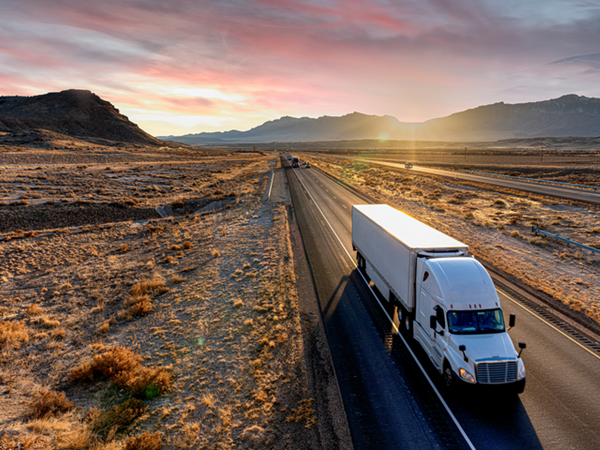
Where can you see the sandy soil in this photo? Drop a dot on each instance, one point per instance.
(496, 224)
(228, 328)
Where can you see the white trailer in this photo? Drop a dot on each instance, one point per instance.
(446, 299)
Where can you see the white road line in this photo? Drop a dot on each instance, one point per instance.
(271, 187)
(335, 197)
(549, 324)
(344, 206)
(452, 416)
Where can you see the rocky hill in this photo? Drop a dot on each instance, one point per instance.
(569, 115)
(77, 113)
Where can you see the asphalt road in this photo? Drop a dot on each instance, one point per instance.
(582, 195)
(389, 402)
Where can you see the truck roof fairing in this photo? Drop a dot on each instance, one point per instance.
(463, 283)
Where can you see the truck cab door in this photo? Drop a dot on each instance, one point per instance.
(438, 335)
(421, 330)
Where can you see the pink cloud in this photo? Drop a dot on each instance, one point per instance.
(413, 59)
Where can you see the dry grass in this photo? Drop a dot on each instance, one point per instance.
(34, 310)
(124, 368)
(108, 424)
(145, 441)
(22, 442)
(138, 306)
(48, 403)
(154, 287)
(13, 334)
(178, 279)
(303, 412)
(205, 328)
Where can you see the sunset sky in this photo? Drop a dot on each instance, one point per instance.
(186, 66)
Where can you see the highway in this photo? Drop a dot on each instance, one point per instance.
(582, 195)
(388, 400)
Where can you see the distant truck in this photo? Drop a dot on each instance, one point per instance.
(295, 161)
(446, 300)
(408, 165)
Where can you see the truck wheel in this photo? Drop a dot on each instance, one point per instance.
(405, 322)
(519, 387)
(448, 376)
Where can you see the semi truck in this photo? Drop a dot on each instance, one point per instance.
(295, 161)
(445, 299)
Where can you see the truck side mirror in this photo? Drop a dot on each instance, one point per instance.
(511, 320)
(522, 346)
(462, 348)
(433, 322)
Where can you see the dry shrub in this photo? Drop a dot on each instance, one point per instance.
(34, 310)
(145, 441)
(539, 241)
(516, 234)
(113, 363)
(103, 329)
(153, 228)
(303, 412)
(149, 383)
(238, 303)
(594, 230)
(59, 334)
(48, 403)
(118, 419)
(124, 248)
(170, 260)
(216, 253)
(13, 334)
(515, 218)
(174, 247)
(258, 435)
(154, 287)
(50, 323)
(21, 442)
(139, 306)
(124, 368)
(499, 203)
(187, 245)
(178, 279)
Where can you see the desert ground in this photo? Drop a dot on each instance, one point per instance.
(147, 300)
(496, 223)
(148, 297)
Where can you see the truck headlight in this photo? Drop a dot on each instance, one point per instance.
(521, 373)
(466, 376)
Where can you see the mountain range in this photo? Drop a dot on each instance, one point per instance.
(77, 113)
(569, 115)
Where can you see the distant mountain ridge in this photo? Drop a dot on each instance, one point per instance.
(78, 113)
(569, 115)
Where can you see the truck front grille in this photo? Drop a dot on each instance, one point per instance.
(497, 372)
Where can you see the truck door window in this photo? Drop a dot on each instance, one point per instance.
(439, 313)
(425, 276)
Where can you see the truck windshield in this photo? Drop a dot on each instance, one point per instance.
(471, 322)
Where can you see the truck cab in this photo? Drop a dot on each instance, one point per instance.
(459, 323)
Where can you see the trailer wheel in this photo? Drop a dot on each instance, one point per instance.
(360, 261)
